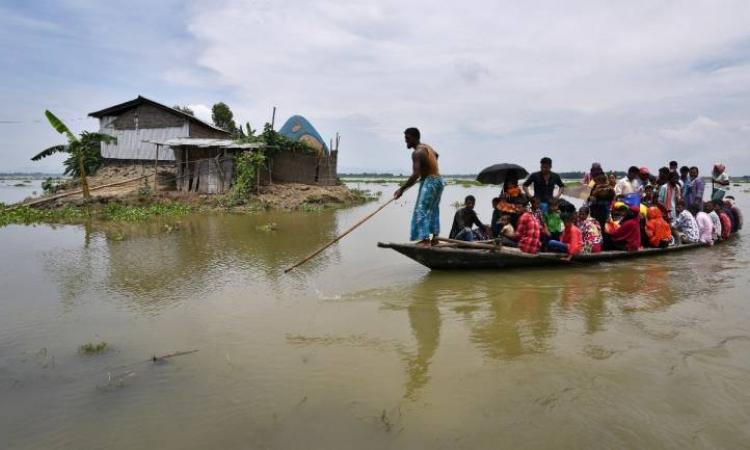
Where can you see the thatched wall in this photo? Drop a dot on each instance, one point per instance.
(293, 167)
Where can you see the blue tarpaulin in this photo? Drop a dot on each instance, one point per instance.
(299, 129)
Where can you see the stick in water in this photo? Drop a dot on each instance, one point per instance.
(352, 228)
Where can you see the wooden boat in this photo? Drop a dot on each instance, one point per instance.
(457, 257)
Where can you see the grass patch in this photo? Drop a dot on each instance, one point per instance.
(26, 215)
(92, 348)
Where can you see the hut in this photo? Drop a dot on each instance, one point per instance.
(205, 165)
(140, 124)
(317, 167)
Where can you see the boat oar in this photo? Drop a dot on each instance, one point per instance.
(352, 228)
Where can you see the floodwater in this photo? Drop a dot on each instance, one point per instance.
(360, 348)
(15, 190)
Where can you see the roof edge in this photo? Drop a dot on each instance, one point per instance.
(143, 100)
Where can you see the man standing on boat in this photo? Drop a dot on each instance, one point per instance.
(426, 218)
(544, 183)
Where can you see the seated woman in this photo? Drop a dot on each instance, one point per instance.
(730, 205)
(512, 201)
(705, 225)
(571, 240)
(627, 236)
(591, 231)
(685, 227)
(658, 231)
(725, 216)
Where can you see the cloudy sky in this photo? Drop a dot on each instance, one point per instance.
(485, 81)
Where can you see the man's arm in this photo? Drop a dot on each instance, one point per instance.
(526, 185)
(475, 221)
(561, 185)
(416, 159)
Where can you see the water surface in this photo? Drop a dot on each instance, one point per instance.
(361, 348)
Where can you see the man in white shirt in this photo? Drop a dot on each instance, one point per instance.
(629, 184)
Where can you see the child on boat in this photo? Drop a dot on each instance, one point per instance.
(591, 231)
(571, 240)
(552, 220)
(507, 234)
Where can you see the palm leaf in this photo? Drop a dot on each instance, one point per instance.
(59, 126)
(88, 138)
(50, 151)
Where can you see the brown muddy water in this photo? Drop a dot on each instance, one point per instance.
(361, 348)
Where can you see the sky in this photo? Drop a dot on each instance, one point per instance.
(621, 83)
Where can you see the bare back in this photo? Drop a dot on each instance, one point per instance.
(424, 159)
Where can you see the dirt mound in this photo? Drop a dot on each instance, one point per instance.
(294, 196)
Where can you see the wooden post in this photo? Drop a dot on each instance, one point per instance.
(156, 166)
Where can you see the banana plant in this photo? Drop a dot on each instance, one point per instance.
(84, 152)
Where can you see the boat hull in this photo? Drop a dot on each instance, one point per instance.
(456, 258)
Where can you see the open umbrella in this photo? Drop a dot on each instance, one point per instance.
(497, 173)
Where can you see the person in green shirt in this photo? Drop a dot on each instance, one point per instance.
(553, 220)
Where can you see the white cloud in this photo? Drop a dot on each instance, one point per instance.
(696, 131)
(485, 80)
(624, 83)
(202, 112)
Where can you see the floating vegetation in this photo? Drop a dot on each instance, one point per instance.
(114, 211)
(92, 348)
(365, 195)
(465, 182)
(271, 226)
(311, 207)
(27, 215)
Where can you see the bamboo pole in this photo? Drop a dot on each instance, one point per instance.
(349, 230)
(468, 244)
(78, 191)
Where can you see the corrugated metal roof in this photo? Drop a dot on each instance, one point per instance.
(213, 143)
(114, 110)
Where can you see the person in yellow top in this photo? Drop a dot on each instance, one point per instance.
(425, 221)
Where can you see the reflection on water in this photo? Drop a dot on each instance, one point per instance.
(362, 347)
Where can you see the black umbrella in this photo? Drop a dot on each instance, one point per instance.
(497, 173)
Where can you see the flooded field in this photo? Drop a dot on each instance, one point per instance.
(361, 347)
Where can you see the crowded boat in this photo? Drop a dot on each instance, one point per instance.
(638, 211)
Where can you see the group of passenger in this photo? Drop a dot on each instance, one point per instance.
(637, 211)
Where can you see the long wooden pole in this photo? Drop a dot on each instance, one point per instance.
(66, 194)
(156, 167)
(352, 228)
